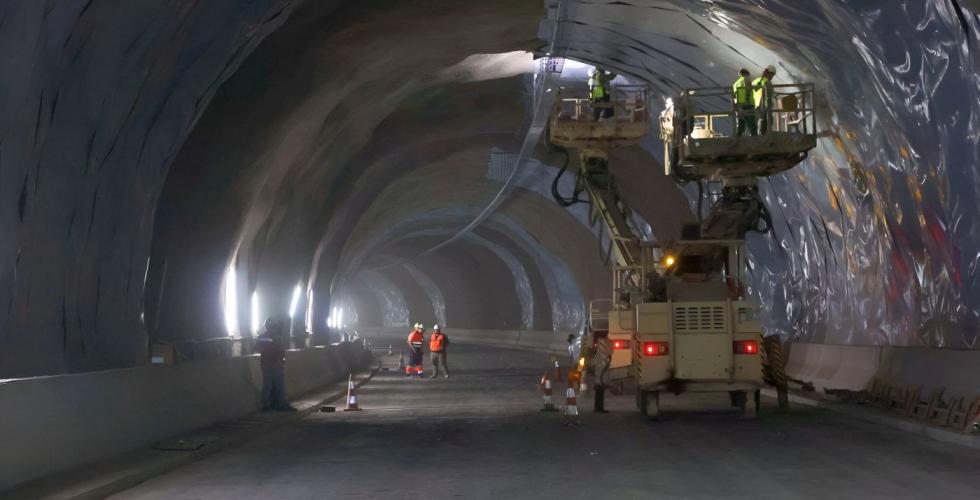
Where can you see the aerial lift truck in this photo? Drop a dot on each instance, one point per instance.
(679, 319)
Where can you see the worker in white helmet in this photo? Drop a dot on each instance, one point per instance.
(763, 96)
(438, 343)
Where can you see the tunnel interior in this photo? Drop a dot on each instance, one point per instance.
(176, 174)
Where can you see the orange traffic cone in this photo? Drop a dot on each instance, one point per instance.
(571, 408)
(549, 404)
(351, 395)
(583, 387)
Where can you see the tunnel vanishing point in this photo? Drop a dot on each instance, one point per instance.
(173, 173)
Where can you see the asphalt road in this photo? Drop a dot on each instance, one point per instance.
(480, 435)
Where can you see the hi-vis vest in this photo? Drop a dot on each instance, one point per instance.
(415, 339)
(598, 83)
(741, 92)
(760, 90)
(437, 342)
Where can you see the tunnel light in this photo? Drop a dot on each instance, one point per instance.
(669, 261)
(340, 316)
(230, 301)
(309, 310)
(295, 301)
(256, 317)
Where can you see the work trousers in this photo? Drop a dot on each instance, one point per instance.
(746, 120)
(439, 360)
(274, 387)
(763, 117)
(415, 361)
(601, 112)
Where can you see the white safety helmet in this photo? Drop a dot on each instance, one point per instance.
(771, 69)
(435, 328)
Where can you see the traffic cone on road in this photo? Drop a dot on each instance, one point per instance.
(583, 387)
(549, 404)
(351, 395)
(571, 408)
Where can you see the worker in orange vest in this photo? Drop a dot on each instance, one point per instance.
(438, 342)
(415, 341)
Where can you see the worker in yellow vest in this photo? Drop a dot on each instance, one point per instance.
(744, 103)
(762, 94)
(600, 92)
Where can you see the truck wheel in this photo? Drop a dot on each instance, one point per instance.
(650, 404)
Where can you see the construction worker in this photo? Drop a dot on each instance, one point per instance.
(415, 342)
(744, 103)
(762, 94)
(600, 92)
(273, 363)
(438, 342)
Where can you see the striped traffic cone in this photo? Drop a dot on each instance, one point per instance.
(583, 387)
(549, 404)
(571, 408)
(351, 395)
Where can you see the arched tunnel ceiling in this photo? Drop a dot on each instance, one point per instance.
(147, 147)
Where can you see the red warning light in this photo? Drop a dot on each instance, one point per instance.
(746, 347)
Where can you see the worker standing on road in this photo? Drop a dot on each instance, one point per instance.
(438, 342)
(273, 364)
(415, 341)
(744, 103)
(600, 92)
(762, 93)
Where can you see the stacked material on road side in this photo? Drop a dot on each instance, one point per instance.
(936, 386)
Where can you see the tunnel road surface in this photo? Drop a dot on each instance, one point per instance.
(480, 435)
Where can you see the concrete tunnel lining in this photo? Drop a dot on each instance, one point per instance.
(145, 148)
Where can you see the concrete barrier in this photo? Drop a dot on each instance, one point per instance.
(50, 424)
(855, 367)
(833, 366)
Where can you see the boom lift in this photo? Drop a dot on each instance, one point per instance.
(679, 318)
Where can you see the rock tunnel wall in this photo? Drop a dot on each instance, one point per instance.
(148, 148)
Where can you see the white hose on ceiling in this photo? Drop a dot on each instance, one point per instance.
(544, 98)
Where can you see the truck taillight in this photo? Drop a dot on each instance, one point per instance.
(619, 345)
(746, 347)
(656, 348)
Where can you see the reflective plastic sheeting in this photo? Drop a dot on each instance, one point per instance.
(877, 235)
